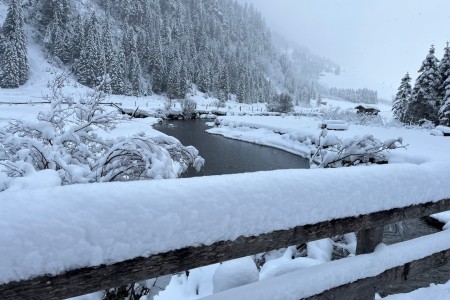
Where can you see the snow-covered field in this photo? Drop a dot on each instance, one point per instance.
(85, 236)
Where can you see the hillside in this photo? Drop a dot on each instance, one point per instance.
(154, 46)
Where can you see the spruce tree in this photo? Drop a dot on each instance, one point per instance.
(159, 79)
(78, 40)
(444, 70)
(15, 48)
(90, 69)
(118, 80)
(425, 101)
(174, 81)
(444, 111)
(9, 75)
(52, 8)
(108, 50)
(134, 75)
(402, 99)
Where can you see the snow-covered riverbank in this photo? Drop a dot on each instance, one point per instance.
(294, 134)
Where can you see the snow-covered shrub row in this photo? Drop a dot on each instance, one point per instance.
(350, 116)
(65, 139)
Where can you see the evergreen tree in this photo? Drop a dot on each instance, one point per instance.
(135, 70)
(444, 70)
(118, 80)
(224, 83)
(425, 101)
(78, 40)
(158, 67)
(444, 111)
(108, 50)
(90, 69)
(55, 39)
(9, 75)
(177, 85)
(16, 72)
(50, 9)
(402, 99)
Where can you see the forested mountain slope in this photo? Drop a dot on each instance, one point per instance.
(139, 47)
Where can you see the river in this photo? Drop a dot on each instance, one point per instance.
(227, 156)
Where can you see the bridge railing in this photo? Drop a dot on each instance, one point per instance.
(89, 279)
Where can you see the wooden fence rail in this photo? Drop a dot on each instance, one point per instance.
(86, 280)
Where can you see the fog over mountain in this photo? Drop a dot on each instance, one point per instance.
(376, 41)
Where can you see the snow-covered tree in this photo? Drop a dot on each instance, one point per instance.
(444, 111)
(425, 100)
(90, 68)
(135, 70)
(78, 38)
(402, 98)
(159, 74)
(444, 68)
(9, 76)
(51, 9)
(14, 47)
(118, 77)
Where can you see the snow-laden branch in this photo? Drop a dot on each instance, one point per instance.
(65, 139)
(333, 152)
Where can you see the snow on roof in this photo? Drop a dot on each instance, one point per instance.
(49, 230)
(366, 107)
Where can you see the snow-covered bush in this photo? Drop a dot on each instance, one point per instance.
(65, 139)
(281, 103)
(350, 116)
(188, 107)
(333, 152)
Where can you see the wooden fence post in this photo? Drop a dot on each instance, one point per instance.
(368, 239)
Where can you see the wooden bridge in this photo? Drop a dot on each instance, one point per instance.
(369, 227)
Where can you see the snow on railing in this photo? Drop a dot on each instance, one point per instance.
(66, 241)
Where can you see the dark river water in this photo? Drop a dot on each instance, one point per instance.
(227, 156)
(413, 229)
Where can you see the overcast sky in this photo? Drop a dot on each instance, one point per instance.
(375, 41)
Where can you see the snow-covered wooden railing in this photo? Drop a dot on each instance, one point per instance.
(67, 241)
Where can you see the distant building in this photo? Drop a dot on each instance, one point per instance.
(367, 110)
